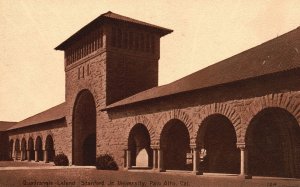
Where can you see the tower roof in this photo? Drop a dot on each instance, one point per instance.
(112, 17)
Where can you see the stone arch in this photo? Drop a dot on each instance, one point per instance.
(273, 142)
(17, 149)
(218, 108)
(41, 136)
(84, 122)
(139, 146)
(30, 148)
(49, 148)
(280, 100)
(23, 149)
(39, 148)
(140, 120)
(175, 145)
(217, 136)
(178, 114)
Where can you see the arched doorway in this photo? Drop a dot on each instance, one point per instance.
(23, 149)
(17, 149)
(175, 144)
(139, 146)
(39, 149)
(217, 136)
(11, 149)
(84, 129)
(31, 149)
(273, 142)
(49, 147)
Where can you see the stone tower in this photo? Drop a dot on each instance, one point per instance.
(109, 59)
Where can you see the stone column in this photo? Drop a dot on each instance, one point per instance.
(154, 159)
(160, 160)
(22, 155)
(196, 161)
(46, 156)
(28, 155)
(16, 155)
(128, 158)
(244, 160)
(36, 156)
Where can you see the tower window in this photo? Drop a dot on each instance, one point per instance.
(114, 37)
(142, 38)
(152, 44)
(100, 38)
(131, 41)
(119, 40)
(147, 43)
(125, 39)
(136, 41)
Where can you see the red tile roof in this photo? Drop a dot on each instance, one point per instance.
(54, 113)
(277, 55)
(112, 17)
(4, 125)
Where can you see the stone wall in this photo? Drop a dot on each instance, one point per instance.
(58, 129)
(239, 102)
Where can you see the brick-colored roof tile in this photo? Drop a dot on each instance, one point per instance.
(277, 55)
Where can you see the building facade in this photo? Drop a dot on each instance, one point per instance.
(240, 115)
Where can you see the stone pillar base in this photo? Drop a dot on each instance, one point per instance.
(160, 170)
(245, 176)
(46, 156)
(36, 159)
(197, 173)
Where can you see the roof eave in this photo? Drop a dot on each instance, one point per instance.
(30, 125)
(100, 20)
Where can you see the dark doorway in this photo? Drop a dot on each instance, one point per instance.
(273, 141)
(17, 149)
(175, 143)
(84, 129)
(39, 148)
(89, 145)
(139, 145)
(23, 149)
(31, 149)
(217, 136)
(49, 147)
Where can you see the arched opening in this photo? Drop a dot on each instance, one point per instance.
(23, 149)
(217, 136)
(273, 142)
(175, 144)
(39, 149)
(17, 149)
(31, 149)
(49, 147)
(139, 146)
(84, 129)
(11, 149)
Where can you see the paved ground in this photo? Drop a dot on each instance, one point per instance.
(24, 164)
(70, 176)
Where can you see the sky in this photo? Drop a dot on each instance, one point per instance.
(205, 32)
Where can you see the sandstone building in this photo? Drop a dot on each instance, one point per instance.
(240, 115)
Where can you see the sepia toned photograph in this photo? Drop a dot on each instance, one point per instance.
(150, 93)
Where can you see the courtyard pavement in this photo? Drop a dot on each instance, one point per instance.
(41, 174)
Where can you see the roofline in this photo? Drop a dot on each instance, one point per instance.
(101, 19)
(30, 125)
(186, 91)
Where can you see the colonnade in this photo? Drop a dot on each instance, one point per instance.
(158, 162)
